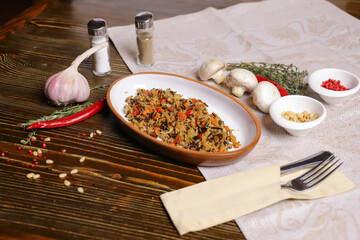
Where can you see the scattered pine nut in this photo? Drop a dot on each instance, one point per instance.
(91, 134)
(30, 175)
(39, 151)
(74, 171)
(36, 176)
(80, 190)
(33, 138)
(67, 183)
(49, 161)
(35, 153)
(62, 175)
(47, 139)
(82, 159)
(98, 132)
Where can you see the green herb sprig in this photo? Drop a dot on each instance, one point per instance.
(66, 111)
(287, 76)
(99, 87)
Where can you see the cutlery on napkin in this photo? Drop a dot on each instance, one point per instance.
(213, 202)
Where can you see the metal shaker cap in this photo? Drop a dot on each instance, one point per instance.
(144, 20)
(97, 27)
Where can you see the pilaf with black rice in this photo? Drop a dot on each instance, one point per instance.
(181, 122)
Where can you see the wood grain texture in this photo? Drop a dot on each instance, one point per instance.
(33, 9)
(122, 181)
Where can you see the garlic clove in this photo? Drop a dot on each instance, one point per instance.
(66, 87)
(69, 85)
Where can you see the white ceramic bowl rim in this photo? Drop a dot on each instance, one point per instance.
(275, 112)
(315, 83)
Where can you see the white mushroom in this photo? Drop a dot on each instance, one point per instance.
(213, 69)
(264, 95)
(241, 80)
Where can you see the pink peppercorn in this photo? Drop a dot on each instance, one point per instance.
(334, 85)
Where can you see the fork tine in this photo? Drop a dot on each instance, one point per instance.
(318, 170)
(329, 159)
(324, 177)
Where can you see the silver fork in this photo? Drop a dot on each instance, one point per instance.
(314, 176)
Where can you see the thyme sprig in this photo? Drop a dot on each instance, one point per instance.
(288, 76)
(66, 111)
(99, 87)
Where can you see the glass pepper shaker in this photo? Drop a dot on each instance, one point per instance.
(97, 35)
(144, 39)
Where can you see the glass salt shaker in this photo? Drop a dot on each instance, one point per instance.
(97, 35)
(144, 39)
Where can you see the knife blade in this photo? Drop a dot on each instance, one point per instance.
(304, 162)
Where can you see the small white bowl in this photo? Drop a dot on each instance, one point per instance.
(297, 104)
(347, 79)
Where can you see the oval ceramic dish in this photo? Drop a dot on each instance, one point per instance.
(235, 114)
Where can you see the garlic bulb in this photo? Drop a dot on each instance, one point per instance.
(69, 85)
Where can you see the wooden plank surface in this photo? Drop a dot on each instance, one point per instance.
(122, 181)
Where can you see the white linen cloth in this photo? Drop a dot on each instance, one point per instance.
(311, 34)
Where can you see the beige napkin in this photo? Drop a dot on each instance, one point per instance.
(209, 203)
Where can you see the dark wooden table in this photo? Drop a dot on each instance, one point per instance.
(122, 180)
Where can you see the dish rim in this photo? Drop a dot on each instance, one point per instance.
(183, 150)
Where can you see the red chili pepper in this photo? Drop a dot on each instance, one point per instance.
(72, 119)
(282, 90)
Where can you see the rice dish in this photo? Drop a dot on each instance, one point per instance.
(184, 123)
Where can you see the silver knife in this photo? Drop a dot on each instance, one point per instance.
(308, 161)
